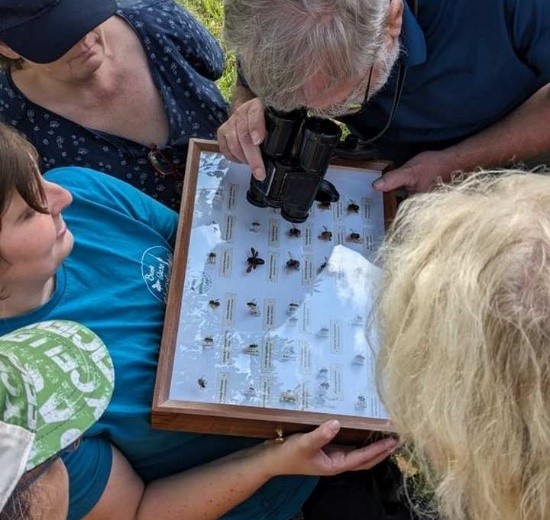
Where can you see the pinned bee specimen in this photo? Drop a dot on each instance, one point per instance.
(201, 381)
(361, 402)
(253, 308)
(288, 352)
(322, 373)
(294, 232)
(251, 349)
(354, 237)
(288, 396)
(323, 205)
(357, 320)
(322, 266)
(211, 259)
(250, 391)
(325, 235)
(292, 264)
(358, 359)
(292, 308)
(214, 303)
(323, 332)
(254, 226)
(254, 260)
(207, 341)
(353, 207)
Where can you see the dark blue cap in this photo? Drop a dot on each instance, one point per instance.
(44, 30)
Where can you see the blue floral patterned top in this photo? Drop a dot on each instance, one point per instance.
(184, 59)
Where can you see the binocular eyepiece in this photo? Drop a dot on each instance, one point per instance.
(296, 153)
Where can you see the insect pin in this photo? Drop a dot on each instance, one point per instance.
(254, 260)
(214, 303)
(294, 232)
(326, 235)
(353, 207)
(211, 257)
(201, 381)
(292, 264)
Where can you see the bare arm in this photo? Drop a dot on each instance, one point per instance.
(523, 134)
(209, 491)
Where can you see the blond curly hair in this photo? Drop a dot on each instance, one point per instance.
(464, 367)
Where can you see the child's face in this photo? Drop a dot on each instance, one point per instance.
(33, 244)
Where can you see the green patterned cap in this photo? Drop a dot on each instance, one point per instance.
(56, 379)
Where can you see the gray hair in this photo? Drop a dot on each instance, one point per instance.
(281, 44)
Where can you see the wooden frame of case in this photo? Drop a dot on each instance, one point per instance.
(229, 419)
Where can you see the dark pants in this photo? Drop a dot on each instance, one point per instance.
(360, 495)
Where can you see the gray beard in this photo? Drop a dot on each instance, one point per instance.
(384, 65)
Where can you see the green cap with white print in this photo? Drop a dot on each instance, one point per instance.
(56, 379)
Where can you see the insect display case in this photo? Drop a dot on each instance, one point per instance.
(268, 326)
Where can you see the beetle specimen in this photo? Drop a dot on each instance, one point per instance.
(292, 264)
(354, 237)
(211, 257)
(294, 232)
(201, 382)
(326, 235)
(254, 260)
(353, 207)
(214, 303)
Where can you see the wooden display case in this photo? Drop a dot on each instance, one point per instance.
(263, 349)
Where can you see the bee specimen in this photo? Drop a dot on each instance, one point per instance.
(254, 260)
(294, 232)
(292, 264)
(215, 303)
(353, 207)
(211, 257)
(325, 235)
(201, 381)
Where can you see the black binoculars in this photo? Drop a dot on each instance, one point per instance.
(296, 153)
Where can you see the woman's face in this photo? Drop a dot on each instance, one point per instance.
(33, 244)
(80, 62)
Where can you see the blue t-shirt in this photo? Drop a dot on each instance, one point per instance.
(115, 281)
(468, 64)
(184, 60)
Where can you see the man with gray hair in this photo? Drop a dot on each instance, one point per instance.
(437, 87)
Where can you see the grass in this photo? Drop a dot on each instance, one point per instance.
(210, 13)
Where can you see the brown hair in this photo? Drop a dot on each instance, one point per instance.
(19, 171)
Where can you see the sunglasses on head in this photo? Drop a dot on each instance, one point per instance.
(161, 162)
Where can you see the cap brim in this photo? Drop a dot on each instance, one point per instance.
(74, 378)
(49, 36)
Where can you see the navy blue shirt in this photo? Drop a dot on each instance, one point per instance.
(184, 60)
(468, 64)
